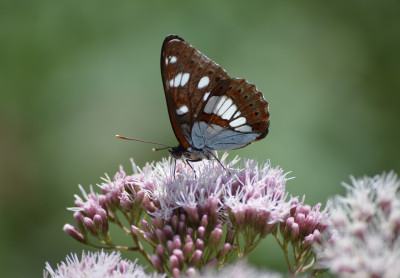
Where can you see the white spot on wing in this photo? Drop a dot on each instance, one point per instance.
(180, 80)
(244, 128)
(237, 114)
(182, 110)
(185, 79)
(166, 61)
(219, 104)
(203, 82)
(238, 122)
(225, 106)
(210, 104)
(173, 59)
(228, 113)
(206, 96)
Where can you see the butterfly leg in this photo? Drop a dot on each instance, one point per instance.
(192, 160)
(175, 169)
(220, 163)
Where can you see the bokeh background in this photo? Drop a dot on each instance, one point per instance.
(75, 73)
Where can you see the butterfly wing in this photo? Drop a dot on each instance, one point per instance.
(234, 115)
(188, 79)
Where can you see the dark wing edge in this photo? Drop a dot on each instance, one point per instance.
(172, 115)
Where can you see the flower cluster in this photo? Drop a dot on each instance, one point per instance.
(97, 265)
(364, 227)
(238, 270)
(256, 202)
(103, 265)
(194, 219)
(191, 218)
(302, 229)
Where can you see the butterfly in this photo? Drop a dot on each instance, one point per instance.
(209, 111)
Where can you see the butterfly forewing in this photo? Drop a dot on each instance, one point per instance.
(188, 79)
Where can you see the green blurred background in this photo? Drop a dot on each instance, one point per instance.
(75, 73)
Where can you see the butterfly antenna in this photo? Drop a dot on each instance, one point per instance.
(156, 150)
(148, 142)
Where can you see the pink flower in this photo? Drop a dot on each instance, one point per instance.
(363, 236)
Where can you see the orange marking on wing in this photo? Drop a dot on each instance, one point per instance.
(246, 107)
(236, 94)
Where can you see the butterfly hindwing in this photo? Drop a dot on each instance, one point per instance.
(188, 78)
(234, 115)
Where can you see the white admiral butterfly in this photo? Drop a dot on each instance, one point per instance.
(209, 111)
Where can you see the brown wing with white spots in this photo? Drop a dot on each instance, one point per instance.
(236, 105)
(188, 78)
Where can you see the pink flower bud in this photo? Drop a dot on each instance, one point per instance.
(177, 242)
(125, 202)
(204, 221)
(225, 249)
(201, 232)
(170, 246)
(213, 203)
(160, 251)
(199, 244)
(173, 261)
(176, 273)
(147, 205)
(161, 236)
(179, 254)
(157, 263)
(239, 217)
(317, 236)
(146, 226)
(300, 218)
(102, 201)
(157, 222)
(71, 231)
(169, 234)
(294, 231)
(89, 225)
(150, 238)
(181, 228)
(308, 240)
(139, 197)
(190, 231)
(216, 237)
(79, 220)
(212, 262)
(174, 222)
(196, 257)
(136, 231)
(98, 223)
(193, 214)
(188, 248)
(90, 210)
(190, 272)
(104, 218)
(182, 217)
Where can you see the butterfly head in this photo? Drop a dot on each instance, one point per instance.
(177, 152)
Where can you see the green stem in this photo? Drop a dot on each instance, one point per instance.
(284, 247)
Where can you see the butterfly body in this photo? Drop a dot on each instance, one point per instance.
(209, 111)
